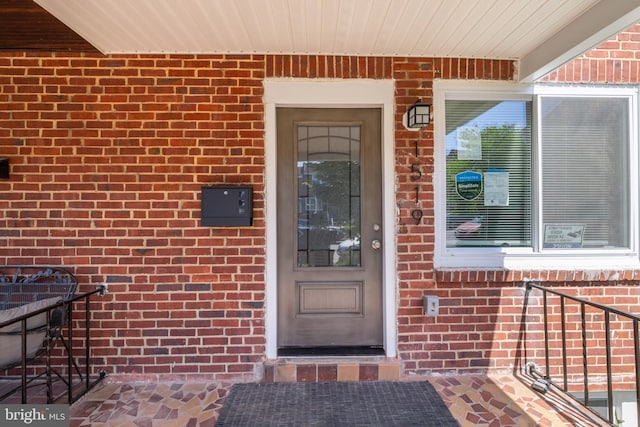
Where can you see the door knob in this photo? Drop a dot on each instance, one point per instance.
(375, 244)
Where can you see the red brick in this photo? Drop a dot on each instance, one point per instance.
(123, 145)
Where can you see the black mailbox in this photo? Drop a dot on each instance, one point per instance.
(227, 206)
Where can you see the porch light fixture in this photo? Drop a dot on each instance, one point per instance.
(418, 115)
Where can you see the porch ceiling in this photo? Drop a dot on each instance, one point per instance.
(541, 34)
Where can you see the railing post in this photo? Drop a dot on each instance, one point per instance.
(546, 335)
(47, 350)
(70, 353)
(86, 337)
(585, 369)
(636, 348)
(607, 341)
(24, 360)
(564, 346)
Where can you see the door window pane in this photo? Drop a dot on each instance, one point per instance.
(488, 161)
(328, 196)
(585, 170)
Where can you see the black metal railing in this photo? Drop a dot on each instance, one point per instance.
(59, 328)
(584, 348)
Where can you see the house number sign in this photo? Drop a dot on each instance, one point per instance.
(416, 175)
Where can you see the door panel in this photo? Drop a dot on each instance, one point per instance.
(329, 215)
(331, 298)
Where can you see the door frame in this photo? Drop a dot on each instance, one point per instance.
(279, 92)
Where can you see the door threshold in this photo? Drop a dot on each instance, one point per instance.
(331, 351)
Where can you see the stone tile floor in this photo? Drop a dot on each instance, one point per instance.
(474, 400)
(150, 404)
(506, 400)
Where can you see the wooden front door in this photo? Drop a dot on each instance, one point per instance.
(329, 228)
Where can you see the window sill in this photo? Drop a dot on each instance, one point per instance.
(523, 267)
(525, 259)
(507, 276)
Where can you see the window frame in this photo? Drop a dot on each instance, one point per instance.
(534, 257)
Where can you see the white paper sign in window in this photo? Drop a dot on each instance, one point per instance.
(469, 143)
(496, 188)
(563, 236)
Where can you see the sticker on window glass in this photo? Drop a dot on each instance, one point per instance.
(563, 236)
(469, 143)
(469, 184)
(496, 188)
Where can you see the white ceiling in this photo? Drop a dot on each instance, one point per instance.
(540, 34)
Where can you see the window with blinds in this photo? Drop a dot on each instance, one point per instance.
(488, 173)
(585, 171)
(542, 176)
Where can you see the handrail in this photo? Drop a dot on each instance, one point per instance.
(66, 305)
(608, 311)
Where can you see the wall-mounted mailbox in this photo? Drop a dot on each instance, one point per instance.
(227, 206)
(4, 168)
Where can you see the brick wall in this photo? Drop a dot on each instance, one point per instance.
(615, 61)
(108, 155)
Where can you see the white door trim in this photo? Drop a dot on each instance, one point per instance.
(331, 93)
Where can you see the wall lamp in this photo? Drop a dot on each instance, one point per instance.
(418, 115)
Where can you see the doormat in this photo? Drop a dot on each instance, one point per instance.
(335, 404)
(331, 351)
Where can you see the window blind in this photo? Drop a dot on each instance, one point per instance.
(585, 168)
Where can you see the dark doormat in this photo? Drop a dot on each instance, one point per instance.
(335, 404)
(331, 351)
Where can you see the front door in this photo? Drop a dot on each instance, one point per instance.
(329, 228)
